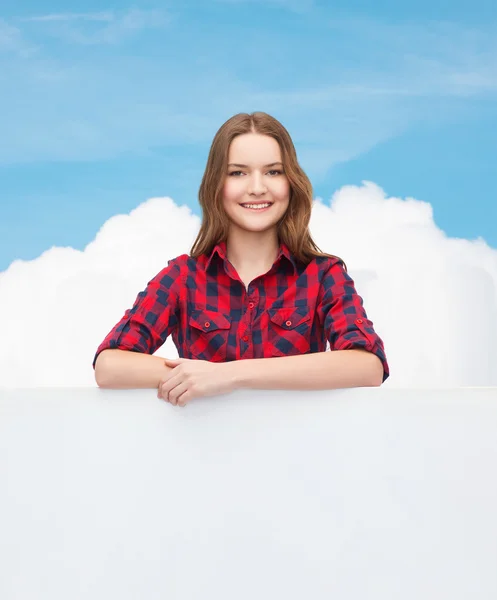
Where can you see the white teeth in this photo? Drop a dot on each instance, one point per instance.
(256, 205)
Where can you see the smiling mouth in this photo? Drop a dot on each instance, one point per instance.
(256, 205)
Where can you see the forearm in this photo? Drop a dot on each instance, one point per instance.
(316, 371)
(123, 369)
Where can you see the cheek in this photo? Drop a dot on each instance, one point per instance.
(282, 187)
(230, 198)
(283, 192)
(231, 190)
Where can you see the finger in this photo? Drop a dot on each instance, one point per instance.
(184, 399)
(162, 392)
(175, 393)
(168, 385)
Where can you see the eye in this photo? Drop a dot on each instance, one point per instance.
(272, 171)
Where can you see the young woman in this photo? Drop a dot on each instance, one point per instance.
(255, 302)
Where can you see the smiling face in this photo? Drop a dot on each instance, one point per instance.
(255, 175)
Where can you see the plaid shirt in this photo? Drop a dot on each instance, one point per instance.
(204, 305)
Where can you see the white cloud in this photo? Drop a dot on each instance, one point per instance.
(298, 6)
(100, 16)
(433, 299)
(12, 41)
(426, 59)
(106, 27)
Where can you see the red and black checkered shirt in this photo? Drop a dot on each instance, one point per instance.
(203, 304)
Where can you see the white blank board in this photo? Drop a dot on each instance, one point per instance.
(351, 494)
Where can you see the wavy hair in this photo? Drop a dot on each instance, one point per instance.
(293, 229)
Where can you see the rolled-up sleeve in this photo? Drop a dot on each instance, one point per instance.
(344, 318)
(153, 317)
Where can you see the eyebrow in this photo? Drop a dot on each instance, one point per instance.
(246, 166)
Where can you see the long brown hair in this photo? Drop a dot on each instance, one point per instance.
(293, 229)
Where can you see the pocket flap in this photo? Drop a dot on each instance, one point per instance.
(209, 320)
(289, 317)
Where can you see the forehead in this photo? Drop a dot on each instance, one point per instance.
(254, 148)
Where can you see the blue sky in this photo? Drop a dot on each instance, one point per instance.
(104, 106)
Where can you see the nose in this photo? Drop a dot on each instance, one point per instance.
(256, 185)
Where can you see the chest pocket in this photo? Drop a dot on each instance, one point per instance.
(208, 335)
(289, 330)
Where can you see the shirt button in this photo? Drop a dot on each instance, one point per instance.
(288, 323)
(245, 338)
(359, 321)
(251, 305)
(207, 324)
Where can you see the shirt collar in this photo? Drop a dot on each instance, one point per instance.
(220, 249)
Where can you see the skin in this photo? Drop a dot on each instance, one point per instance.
(252, 242)
(252, 247)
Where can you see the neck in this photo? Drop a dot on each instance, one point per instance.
(251, 251)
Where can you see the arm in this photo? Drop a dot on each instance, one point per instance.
(124, 369)
(124, 359)
(347, 327)
(316, 371)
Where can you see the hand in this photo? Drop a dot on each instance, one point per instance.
(190, 379)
